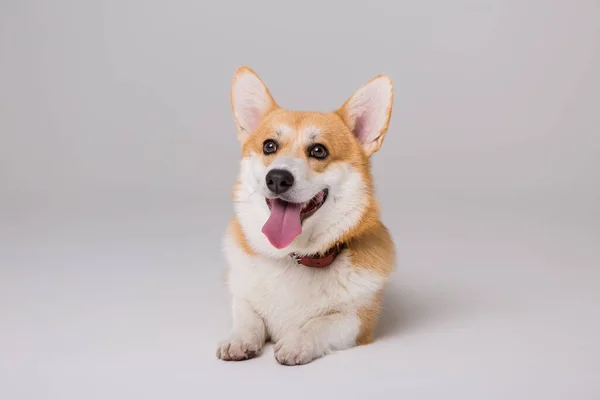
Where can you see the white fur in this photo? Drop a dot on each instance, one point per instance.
(248, 335)
(306, 311)
(317, 337)
(342, 210)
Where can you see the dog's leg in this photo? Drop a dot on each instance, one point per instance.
(248, 335)
(336, 331)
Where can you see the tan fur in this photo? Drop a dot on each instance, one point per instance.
(373, 249)
(334, 134)
(240, 237)
(369, 237)
(369, 244)
(369, 316)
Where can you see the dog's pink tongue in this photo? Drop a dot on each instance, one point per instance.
(284, 223)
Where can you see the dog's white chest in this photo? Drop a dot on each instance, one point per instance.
(286, 295)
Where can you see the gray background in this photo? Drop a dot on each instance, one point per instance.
(118, 152)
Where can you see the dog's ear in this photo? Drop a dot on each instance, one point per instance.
(250, 101)
(367, 112)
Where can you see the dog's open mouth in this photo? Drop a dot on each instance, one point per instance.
(308, 208)
(285, 221)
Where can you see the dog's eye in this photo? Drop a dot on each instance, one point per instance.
(269, 146)
(318, 151)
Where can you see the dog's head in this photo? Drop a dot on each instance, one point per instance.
(305, 180)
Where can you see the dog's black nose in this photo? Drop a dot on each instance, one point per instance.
(279, 180)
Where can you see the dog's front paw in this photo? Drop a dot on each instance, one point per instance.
(239, 347)
(295, 349)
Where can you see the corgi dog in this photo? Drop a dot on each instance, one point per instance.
(308, 255)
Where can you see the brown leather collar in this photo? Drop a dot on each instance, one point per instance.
(320, 261)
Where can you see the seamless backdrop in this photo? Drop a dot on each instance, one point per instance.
(118, 153)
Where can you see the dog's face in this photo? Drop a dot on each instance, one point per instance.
(305, 175)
